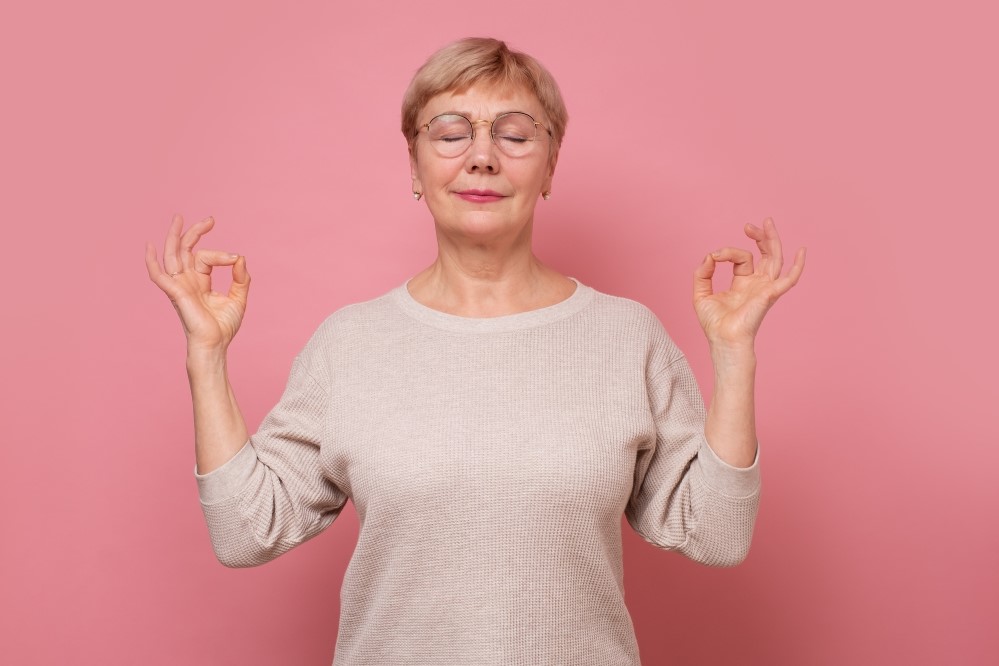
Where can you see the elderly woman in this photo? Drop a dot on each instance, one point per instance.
(490, 419)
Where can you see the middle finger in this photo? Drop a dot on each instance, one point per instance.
(773, 244)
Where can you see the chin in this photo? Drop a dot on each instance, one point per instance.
(484, 224)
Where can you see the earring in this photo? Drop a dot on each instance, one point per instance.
(417, 195)
(546, 195)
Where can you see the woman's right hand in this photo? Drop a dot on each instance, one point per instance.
(210, 319)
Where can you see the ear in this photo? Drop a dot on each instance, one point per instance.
(547, 186)
(415, 172)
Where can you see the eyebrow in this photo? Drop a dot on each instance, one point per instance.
(469, 115)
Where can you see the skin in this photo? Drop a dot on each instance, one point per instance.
(210, 321)
(485, 268)
(731, 320)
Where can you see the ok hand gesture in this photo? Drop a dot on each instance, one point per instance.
(210, 319)
(732, 318)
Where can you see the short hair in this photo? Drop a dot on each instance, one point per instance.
(468, 62)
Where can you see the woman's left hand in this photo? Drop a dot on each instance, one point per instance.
(732, 318)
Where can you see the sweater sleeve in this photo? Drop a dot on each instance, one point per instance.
(272, 495)
(684, 496)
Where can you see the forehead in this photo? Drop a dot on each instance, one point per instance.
(484, 102)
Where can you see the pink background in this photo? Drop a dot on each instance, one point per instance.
(867, 130)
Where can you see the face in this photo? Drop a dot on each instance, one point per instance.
(483, 192)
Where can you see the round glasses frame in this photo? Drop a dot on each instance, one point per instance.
(508, 148)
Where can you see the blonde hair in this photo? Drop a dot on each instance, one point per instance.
(468, 62)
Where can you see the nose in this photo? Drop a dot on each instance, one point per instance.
(482, 154)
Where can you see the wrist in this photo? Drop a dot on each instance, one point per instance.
(725, 353)
(202, 360)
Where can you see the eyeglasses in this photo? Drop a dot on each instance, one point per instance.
(514, 133)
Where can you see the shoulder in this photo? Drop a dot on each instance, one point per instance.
(349, 326)
(359, 315)
(623, 309)
(634, 323)
(629, 316)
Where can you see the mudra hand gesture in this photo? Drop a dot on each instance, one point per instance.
(732, 318)
(210, 319)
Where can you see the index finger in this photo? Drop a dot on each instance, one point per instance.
(191, 238)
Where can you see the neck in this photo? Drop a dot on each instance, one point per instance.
(488, 277)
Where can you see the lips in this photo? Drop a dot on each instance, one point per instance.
(479, 196)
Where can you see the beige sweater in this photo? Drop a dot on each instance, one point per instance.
(490, 461)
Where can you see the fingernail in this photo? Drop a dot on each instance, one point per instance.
(234, 256)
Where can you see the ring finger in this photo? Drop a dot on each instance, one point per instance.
(172, 263)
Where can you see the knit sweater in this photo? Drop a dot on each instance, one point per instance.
(489, 461)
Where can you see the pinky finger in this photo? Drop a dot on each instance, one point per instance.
(785, 283)
(153, 264)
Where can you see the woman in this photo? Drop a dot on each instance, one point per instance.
(490, 419)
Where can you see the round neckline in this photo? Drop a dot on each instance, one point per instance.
(576, 301)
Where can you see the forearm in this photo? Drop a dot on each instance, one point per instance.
(731, 422)
(219, 429)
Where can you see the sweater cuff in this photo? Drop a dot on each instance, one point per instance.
(226, 481)
(727, 479)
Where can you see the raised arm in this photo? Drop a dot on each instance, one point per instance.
(730, 320)
(210, 321)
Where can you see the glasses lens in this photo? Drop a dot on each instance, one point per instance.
(514, 133)
(450, 134)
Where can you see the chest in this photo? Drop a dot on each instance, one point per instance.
(494, 428)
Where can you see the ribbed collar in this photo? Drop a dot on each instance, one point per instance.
(578, 300)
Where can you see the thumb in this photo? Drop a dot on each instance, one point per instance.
(702, 278)
(239, 289)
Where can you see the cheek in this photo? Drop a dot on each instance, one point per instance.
(436, 173)
(529, 176)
